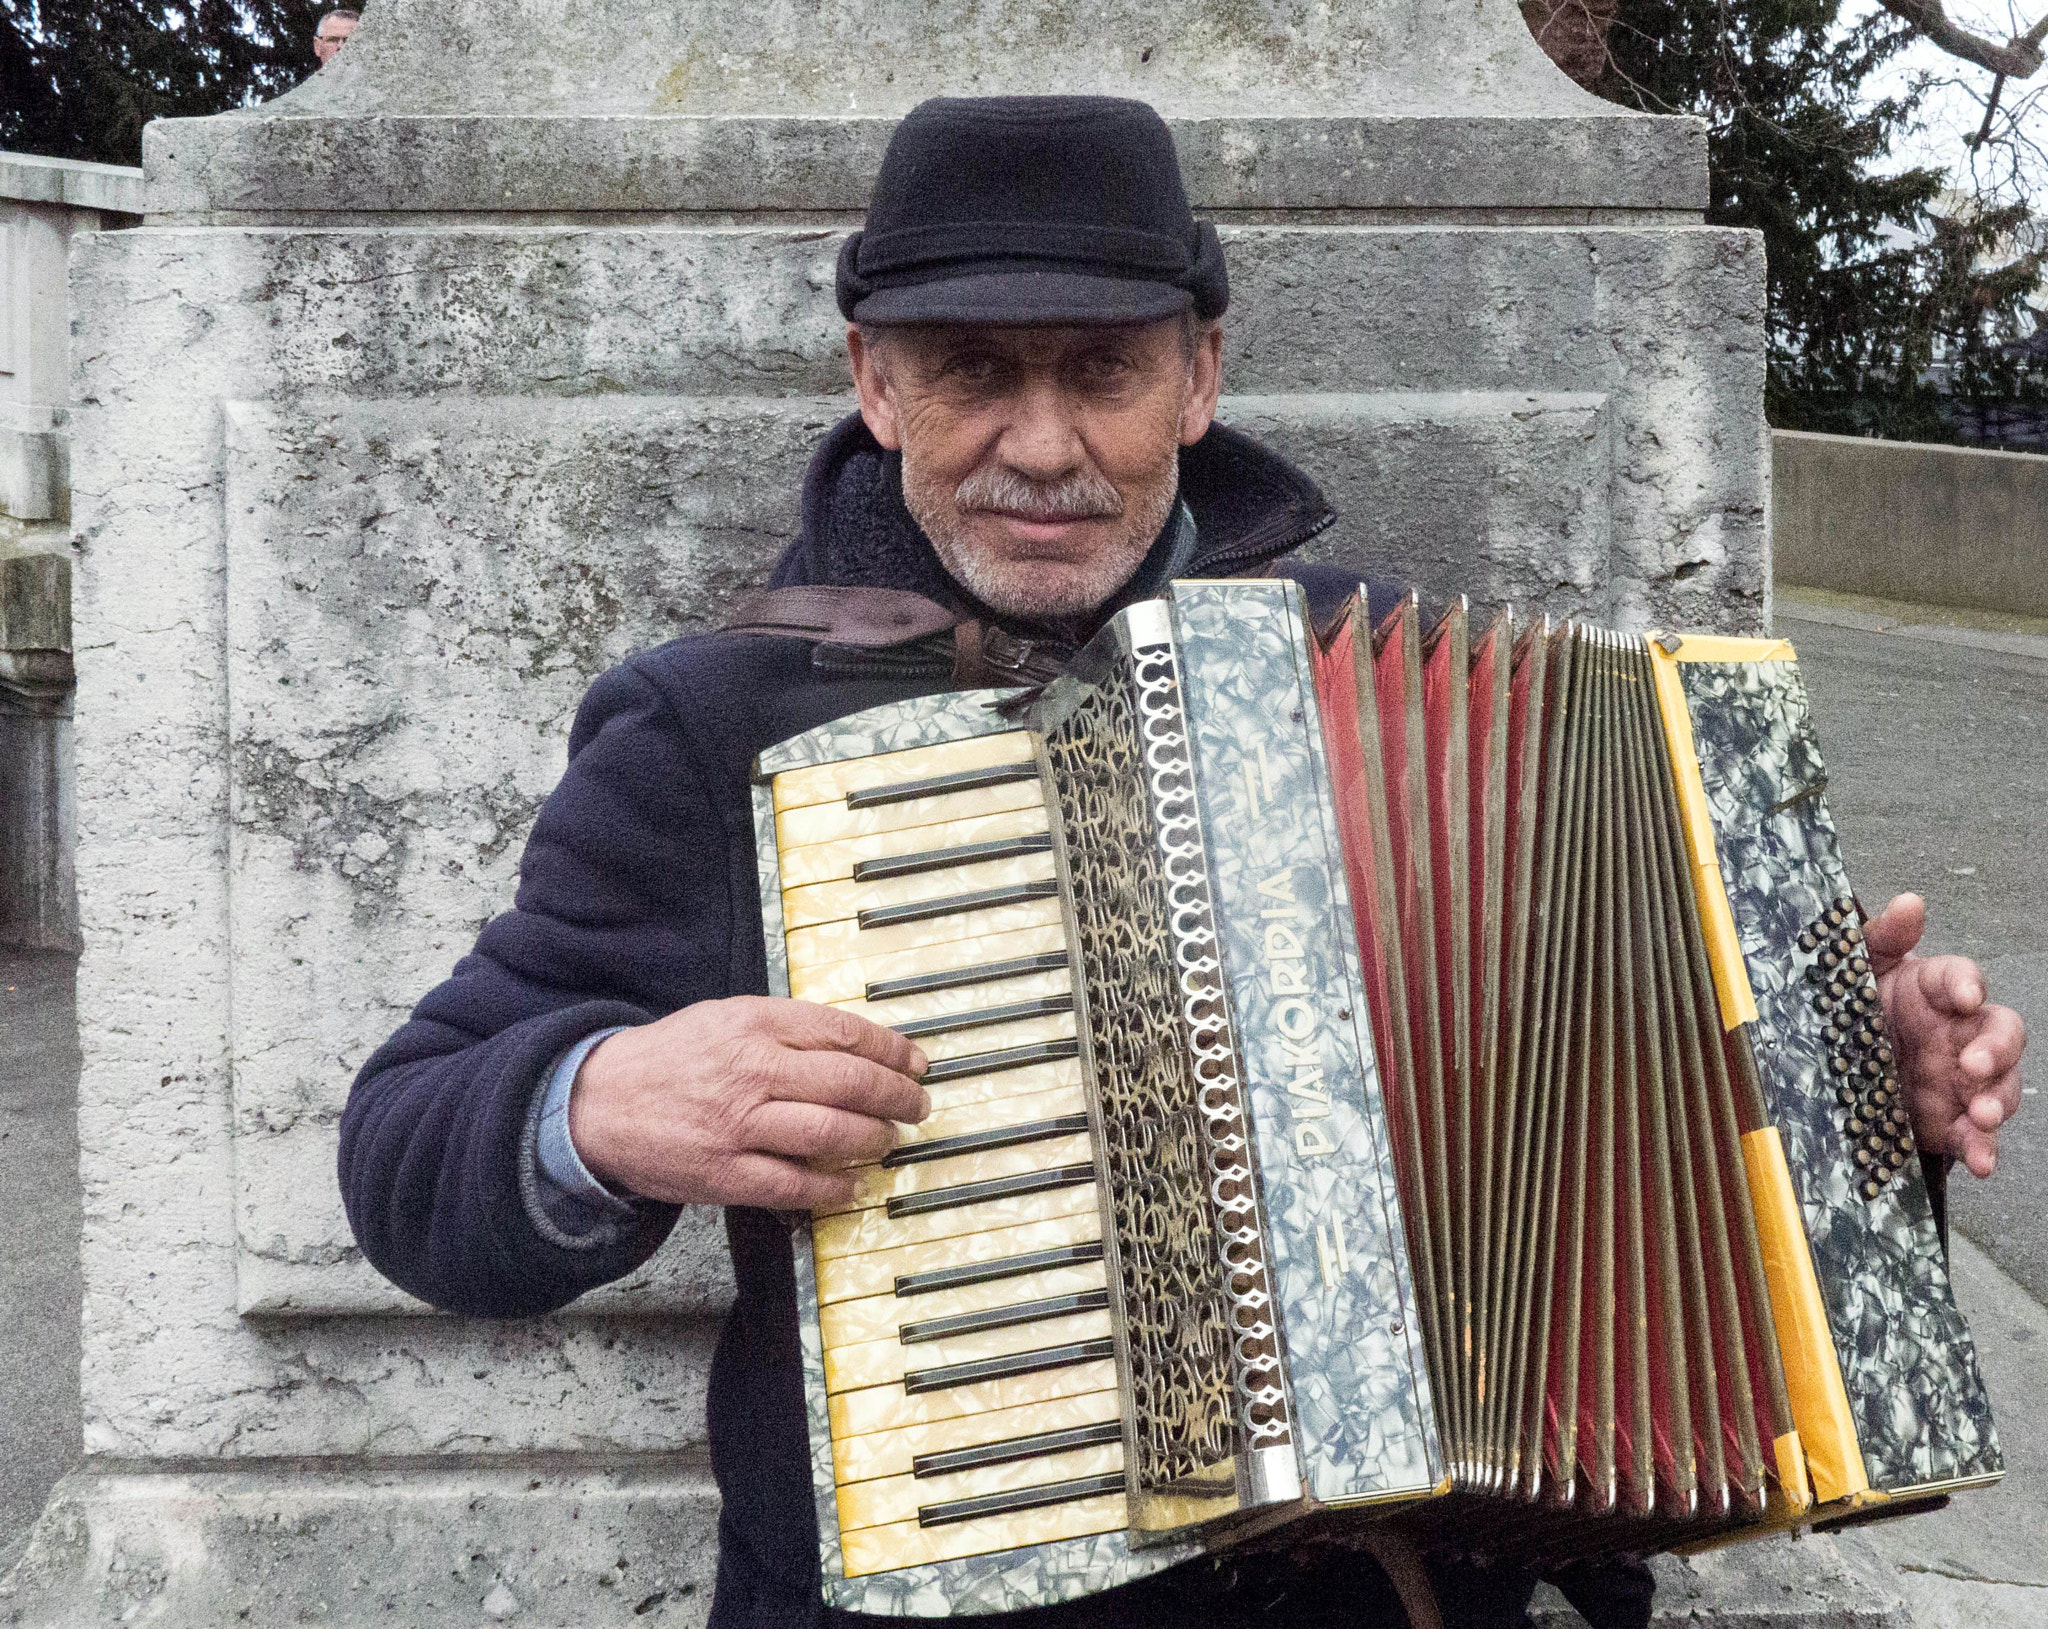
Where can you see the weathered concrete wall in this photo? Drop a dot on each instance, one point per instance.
(1905, 521)
(495, 353)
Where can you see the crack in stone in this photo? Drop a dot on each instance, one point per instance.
(1971, 1577)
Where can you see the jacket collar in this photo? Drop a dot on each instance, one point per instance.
(1247, 506)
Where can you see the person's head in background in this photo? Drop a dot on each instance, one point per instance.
(332, 34)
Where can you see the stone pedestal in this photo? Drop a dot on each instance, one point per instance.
(495, 352)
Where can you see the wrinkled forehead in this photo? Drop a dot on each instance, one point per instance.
(1026, 342)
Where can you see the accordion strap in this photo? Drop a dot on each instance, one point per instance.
(1404, 1568)
(852, 618)
(985, 654)
(863, 618)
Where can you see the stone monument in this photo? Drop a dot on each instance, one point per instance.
(494, 352)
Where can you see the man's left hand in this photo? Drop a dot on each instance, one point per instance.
(1959, 1056)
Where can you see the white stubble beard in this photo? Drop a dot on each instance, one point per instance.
(1021, 587)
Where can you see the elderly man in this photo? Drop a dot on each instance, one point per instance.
(1034, 341)
(332, 33)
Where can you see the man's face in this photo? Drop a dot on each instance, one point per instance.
(332, 36)
(1041, 462)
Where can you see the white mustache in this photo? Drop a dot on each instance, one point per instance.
(1082, 496)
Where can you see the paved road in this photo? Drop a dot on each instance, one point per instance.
(39, 1213)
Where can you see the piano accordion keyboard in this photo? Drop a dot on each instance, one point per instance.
(964, 1308)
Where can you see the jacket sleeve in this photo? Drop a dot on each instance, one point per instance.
(622, 915)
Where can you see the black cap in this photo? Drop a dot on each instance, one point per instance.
(1031, 209)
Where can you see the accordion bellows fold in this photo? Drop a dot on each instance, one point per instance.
(1423, 1075)
(1567, 1120)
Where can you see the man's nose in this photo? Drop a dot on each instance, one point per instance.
(1042, 439)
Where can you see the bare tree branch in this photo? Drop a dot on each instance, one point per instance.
(1990, 114)
(2019, 58)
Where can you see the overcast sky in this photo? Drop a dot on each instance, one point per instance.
(1954, 111)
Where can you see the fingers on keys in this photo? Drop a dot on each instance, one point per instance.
(840, 1080)
(820, 1132)
(774, 1183)
(803, 1026)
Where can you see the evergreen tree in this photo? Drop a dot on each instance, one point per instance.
(1870, 283)
(80, 78)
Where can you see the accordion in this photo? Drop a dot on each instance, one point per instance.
(1414, 1076)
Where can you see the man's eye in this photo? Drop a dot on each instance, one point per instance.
(1105, 367)
(972, 370)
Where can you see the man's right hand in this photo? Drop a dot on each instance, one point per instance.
(751, 1101)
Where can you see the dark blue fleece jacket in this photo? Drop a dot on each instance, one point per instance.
(637, 896)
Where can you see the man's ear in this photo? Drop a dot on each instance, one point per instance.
(877, 398)
(1205, 384)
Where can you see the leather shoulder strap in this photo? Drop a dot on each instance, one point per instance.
(877, 618)
(867, 618)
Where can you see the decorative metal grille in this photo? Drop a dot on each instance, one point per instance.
(1173, 1125)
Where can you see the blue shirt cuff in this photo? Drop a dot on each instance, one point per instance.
(560, 1166)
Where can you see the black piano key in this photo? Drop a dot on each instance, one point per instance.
(1011, 1449)
(961, 780)
(983, 899)
(974, 1142)
(973, 1193)
(1022, 1312)
(954, 978)
(987, 1272)
(982, 1017)
(1001, 1504)
(994, 1063)
(942, 859)
(1005, 1368)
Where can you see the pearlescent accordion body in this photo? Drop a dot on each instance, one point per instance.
(1220, 1221)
